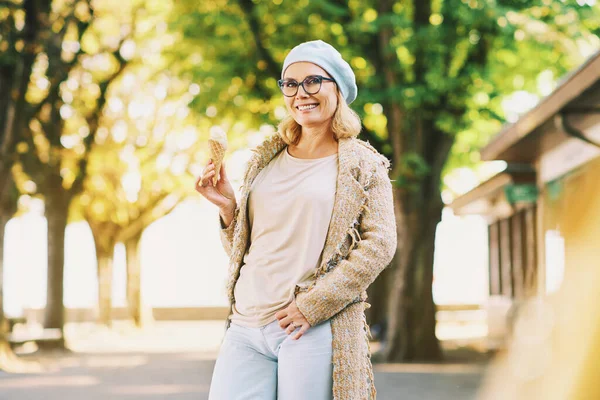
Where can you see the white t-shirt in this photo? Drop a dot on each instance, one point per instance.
(289, 208)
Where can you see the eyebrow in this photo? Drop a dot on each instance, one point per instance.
(298, 80)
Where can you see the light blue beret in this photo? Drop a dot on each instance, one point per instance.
(327, 57)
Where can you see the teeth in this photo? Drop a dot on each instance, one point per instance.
(309, 107)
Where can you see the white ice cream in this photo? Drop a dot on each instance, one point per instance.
(219, 135)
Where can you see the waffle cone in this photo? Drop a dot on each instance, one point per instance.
(217, 152)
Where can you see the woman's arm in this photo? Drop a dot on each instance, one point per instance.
(226, 232)
(338, 288)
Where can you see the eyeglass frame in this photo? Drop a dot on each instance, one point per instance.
(321, 77)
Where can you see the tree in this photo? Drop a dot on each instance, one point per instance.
(431, 75)
(67, 118)
(7, 210)
(138, 173)
(62, 66)
(17, 54)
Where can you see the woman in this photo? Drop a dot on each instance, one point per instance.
(314, 227)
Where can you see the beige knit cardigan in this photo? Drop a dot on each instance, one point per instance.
(360, 243)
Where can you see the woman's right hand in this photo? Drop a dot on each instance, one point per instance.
(222, 194)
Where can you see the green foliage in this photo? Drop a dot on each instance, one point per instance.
(436, 79)
(121, 143)
(67, 54)
(448, 65)
(411, 171)
(144, 156)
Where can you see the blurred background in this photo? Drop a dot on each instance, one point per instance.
(112, 274)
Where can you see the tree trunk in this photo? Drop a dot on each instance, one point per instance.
(8, 359)
(57, 203)
(377, 314)
(8, 207)
(411, 332)
(105, 276)
(104, 241)
(134, 287)
(9, 362)
(418, 207)
(3, 221)
(3, 323)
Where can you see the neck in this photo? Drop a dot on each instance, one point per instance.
(314, 143)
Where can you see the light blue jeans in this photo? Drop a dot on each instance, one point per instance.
(266, 364)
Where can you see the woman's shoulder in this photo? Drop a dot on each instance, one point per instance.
(271, 144)
(368, 153)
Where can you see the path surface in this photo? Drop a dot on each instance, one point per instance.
(175, 362)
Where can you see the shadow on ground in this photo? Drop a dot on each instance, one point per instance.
(174, 361)
(183, 376)
(113, 376)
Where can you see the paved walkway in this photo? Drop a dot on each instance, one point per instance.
(121, 365)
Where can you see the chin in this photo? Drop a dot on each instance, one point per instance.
(309, 121)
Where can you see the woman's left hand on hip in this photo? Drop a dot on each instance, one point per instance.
(290, 318)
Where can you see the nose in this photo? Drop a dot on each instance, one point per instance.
(301, 93)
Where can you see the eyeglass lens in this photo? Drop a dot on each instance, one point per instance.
(311, 84)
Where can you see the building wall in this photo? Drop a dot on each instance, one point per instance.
(571, 223)
(568, 239)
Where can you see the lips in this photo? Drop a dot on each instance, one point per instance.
(307, 107)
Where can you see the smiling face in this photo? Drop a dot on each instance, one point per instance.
(311, 110)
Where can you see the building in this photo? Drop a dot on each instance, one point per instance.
(543, 210)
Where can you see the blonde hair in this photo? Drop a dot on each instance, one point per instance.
(345, 124)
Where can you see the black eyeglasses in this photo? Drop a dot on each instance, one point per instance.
(311, 85)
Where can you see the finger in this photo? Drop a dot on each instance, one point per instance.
(301, 332)
(290, 329)
(223, 174)
(204, 181)
(200, 183)
(209, 167)
(280, 314)
(285, 322)
(208, 177)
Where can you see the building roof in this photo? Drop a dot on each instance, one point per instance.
(489, 198)
(503, 145)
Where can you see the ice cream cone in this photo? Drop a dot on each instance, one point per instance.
(217, 152)
(218, 144)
